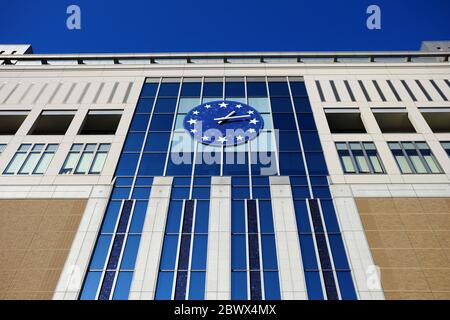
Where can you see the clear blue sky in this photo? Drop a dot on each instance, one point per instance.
(222, 25)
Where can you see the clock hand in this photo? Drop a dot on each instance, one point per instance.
(229, 118)
(226, 117)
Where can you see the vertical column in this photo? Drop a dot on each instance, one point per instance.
(218, 267)
(143, 285)
(292, 282)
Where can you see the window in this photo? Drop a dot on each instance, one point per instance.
(344, 120)
(53, 122)
(31, 159)
(101, 122)
(393, 120)
(437, 118)
(2, 148)
(445, 145)
(359, 157)
(319, 89)
(10, 121)
(414, 157)
(85, 159)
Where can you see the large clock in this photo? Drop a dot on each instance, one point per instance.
(221, 123)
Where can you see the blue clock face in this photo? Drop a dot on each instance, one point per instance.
(221, 123)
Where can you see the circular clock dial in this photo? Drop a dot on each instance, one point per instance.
(221, 123)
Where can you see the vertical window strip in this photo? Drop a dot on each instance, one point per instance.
(411, 94)
(319, 89)
(254, 254)
(364, 90)
(380, 92)
(394, 91)
(350, 91)
(439, 91)
(335, 92)
(427, 95)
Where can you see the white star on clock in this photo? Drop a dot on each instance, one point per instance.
(239, 138)
(205, 138)
(223, 105)
(222, 139)
(193, 130)
(238, 106)
(208, 106)
(254, 121)
(251, 130)
(195, 112)
(192, 121)
(251, 112)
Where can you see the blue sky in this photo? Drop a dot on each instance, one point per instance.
(222, 25)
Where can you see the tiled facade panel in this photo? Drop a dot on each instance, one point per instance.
(35, 239)
(410, 241)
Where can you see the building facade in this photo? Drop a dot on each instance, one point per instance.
(336, 186)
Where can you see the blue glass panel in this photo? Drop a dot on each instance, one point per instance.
(319, 181)
(169, 252)
(188, 216)
(265, 217)
(180, 165)
(145, 105)
(240, 192)
(315, 215)
(288, 141)
(120, 193)
(130, 252)
(255, 285)
(147, 182)
(199, 252)
(252, 219)
(261, 192)
(174, 217)
(208, 163)
(123, 285)
(235, 163)
(239, 285)
(183, 259)
(338, 250)
(181, 181)
(330, 285)
(302, 216)
(311, 142)
(302, 104)
(269, 252)
(263, 163)
(240, 181)
(346, 285)
(197, 285)
(124, 182)
(253, 249)
(278, 89)
(238, 252)
(157, 141)
(141, 193)
(152, 164)
(200, 192)
(291, 163)
(313, 285)
(202, 181)
(237, 217)
(298, 88)
(107, 284)
(260, 181)
(329, 216)
(165, 105)
(322, 192)
(202, 217)
(161, 122)
(316, 163)
(124, 216)
(191, 89)
(299, 181)
(213, 89)
(100, 252)
(300, 192)
(284, 121)
(127, 164)
(137, 223)
(180, 193)
(109, 222)
(234, 89)
(306, 121)
(281, 104)
(134, 142)
(271, 285)
(168, 89)
(115, 252)
(180, 287)
(90, 285)
(308, 252)
(140, 122)
(256, 89)
(149, 89)
(164, 286)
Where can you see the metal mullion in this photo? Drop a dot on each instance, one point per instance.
(422, 158)
(408, 160)
(247, 253)
(80, 153)
(369, 163)
(173, 126)
(352, 158)
(302, 150)
(261, 266)
(93, 158)
(250, 183)
(274, 130)
(193, 169)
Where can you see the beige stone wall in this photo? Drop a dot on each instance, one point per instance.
(35, 238)
(410, 241)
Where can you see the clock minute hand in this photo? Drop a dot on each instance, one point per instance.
(226, 117)
(229, 118)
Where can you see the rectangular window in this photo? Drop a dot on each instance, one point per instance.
(10, 121)
(437, 118)
(397, 96)
(424, 91)
(393, 120)
(411, 94)
(359, 157)
(335, 92)
(344, 120)
(446, 146)
(101, 122)
(319, 89)
(85, 158)
(414, 157)
(433, 83)
(31, 159)
(2, 148)
(364, 90)
(380, 92)
(53, 122)
(349, 89)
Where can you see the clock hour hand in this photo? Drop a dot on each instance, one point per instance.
(226, 117)
(220, 120)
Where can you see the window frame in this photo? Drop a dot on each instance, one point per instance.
(46, 149)
(354, 161)
(418, 151)
(79, 156)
